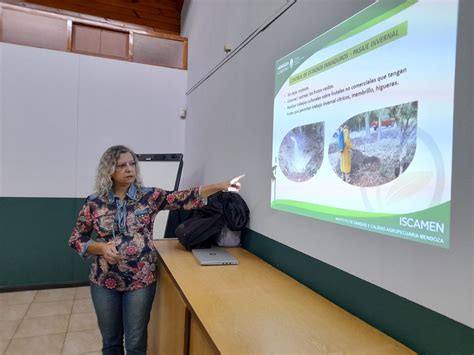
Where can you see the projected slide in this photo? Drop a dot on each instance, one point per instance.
(363, 122)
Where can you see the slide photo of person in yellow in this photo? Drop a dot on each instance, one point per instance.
(346, 154)
(375, 147)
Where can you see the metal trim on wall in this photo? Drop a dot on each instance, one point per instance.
(243, 44)
(69, 35)
(130, 46)
(1, 23)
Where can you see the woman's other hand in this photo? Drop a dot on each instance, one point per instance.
(110, 253)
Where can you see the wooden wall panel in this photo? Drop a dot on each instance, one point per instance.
(33, 30)
(162, 16)
(100, 41)
(114, 44)
(85, 39)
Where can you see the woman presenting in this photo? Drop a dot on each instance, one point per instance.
(123, 277)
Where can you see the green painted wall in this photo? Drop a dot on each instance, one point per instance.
(34, 248)
(417, 327)
(33, 242)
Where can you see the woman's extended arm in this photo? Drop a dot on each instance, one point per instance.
(232, 185)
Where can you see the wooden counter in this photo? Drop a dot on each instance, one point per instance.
(250, 308)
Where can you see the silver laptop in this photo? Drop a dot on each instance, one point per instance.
(214, 256)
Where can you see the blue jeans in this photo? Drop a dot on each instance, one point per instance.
(122, 313)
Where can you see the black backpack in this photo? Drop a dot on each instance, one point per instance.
(205, 224)
(199, 232)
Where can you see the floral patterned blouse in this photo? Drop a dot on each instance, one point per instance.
(127, 223)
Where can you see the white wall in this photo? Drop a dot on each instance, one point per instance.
(229, 132)
(127, 103)
(62, 110)
(40, 115)
(226, 22)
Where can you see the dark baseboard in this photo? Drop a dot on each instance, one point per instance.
(43, 286)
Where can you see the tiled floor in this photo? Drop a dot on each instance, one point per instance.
(59, 321)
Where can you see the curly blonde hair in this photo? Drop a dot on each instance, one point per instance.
(107, 165)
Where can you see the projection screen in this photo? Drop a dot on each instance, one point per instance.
(363, 122)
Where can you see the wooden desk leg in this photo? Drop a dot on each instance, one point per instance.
(167, 330)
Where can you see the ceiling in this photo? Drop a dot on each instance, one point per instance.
(162, 15)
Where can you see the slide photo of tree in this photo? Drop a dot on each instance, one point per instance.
(378, 146)
(301, 152)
